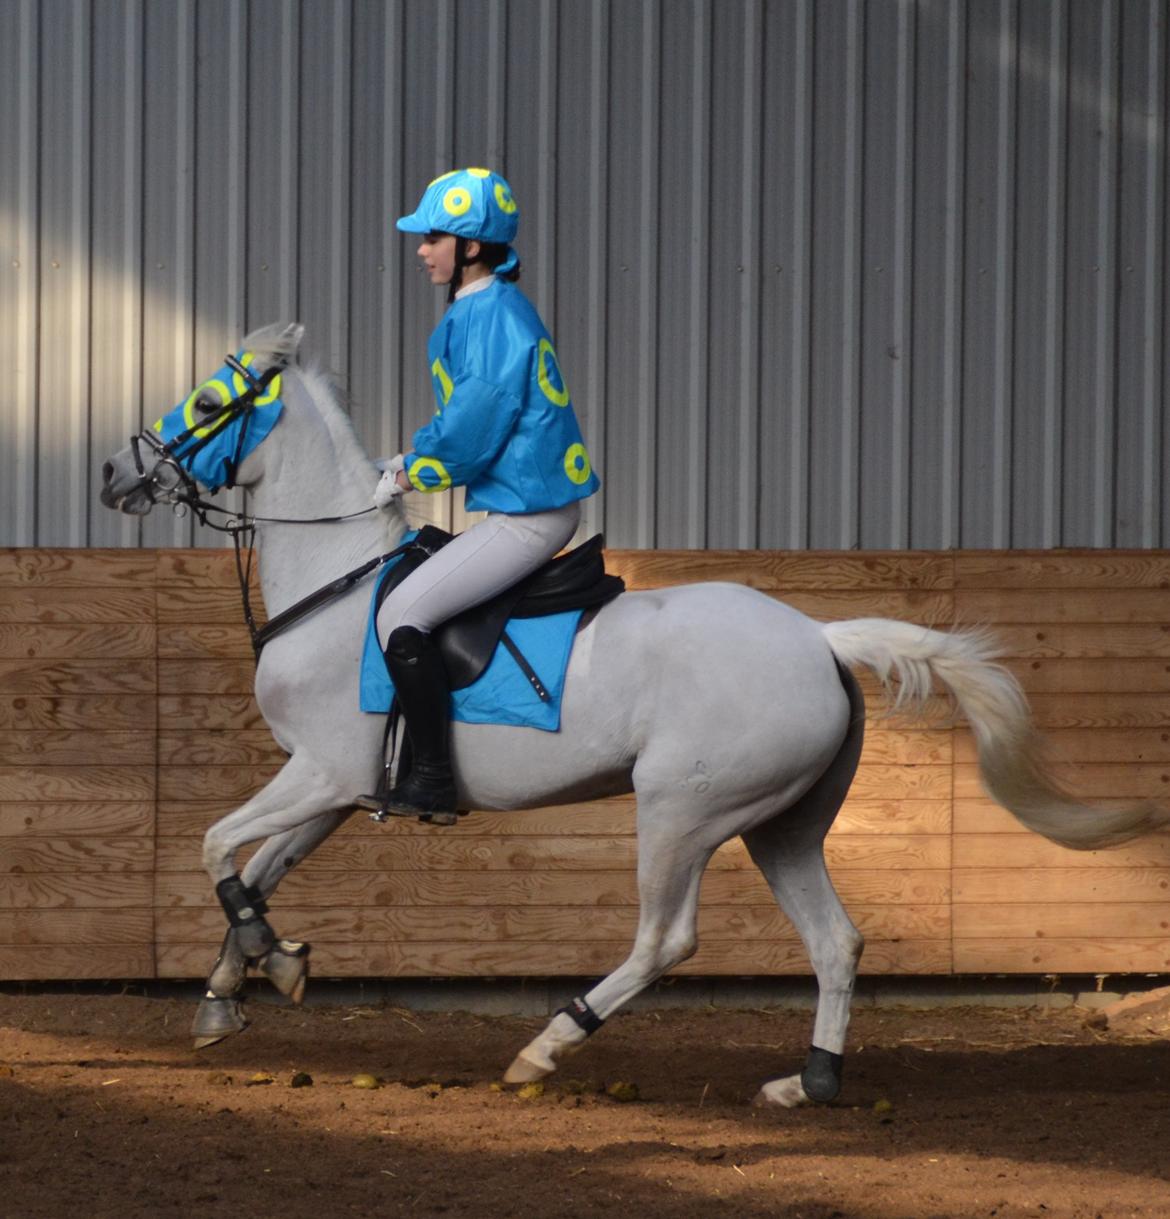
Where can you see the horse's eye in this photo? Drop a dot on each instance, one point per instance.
(208, 401)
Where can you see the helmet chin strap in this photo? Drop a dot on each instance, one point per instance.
(460, 263)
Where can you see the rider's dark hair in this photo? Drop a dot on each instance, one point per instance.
(493, 254)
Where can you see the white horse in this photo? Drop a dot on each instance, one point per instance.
(726, 712)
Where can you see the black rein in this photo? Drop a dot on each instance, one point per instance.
(243, 527)
(314, 601)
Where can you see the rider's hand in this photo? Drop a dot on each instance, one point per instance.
(389, 488)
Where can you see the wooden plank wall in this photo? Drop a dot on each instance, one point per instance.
(127, 725)
(78, 721)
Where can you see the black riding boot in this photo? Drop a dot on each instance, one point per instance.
(420, 678)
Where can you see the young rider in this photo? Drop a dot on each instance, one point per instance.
(504, 429)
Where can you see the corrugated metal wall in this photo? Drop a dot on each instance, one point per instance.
(837, 274)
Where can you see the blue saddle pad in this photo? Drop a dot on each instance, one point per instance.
(502, 695)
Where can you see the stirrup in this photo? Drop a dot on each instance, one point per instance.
(381, 811)
(433, 804)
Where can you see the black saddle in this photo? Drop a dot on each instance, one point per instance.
(467, 642)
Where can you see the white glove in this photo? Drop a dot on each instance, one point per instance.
(388, 488)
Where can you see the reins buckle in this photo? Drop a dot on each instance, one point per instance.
(244, 372)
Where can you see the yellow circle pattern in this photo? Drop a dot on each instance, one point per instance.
(189, 407)
(428, 463)
(457, 201)
(480, 173)
(270, 394)
(544, 352)
(577, 464)
(504, 198)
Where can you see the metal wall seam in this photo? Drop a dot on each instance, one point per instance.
(236, 235)
(168, 319)
(1161, 271)
(954, 287)
(796, 528)
(749, 457)
(289, 59)
(1154, 340)
(235, 245)
(496, 53)
(597, 313)
(28, 291)
(1052, 473)
(80, 256)
(546, 167)
(1003, 348)
(388, 435)
(441, 509)
(643, 465)
(131, 405)
(183, 302)
(903, 289)
(340, 194)
(698, 330)
(1105, 431)
(852, 266)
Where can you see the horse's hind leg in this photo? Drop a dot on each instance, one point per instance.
(805, 893)
(789, 850)
(670, 866)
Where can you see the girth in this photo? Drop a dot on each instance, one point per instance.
(467, 642)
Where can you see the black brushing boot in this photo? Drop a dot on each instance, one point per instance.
(420, 679)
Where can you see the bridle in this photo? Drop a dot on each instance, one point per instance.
(169, 482)
(179, 486)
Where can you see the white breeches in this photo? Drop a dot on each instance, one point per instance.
(489, 557)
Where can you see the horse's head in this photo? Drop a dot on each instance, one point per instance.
(211, 438)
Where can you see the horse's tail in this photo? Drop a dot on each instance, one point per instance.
(1010, 756)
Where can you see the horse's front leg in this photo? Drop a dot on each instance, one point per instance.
(295, 812)
(221, 1010)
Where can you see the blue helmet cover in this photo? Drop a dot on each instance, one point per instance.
(211, 465)
(474, 203)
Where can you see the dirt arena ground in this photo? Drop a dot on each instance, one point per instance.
(106, 1111)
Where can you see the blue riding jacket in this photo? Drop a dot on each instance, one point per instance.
(505, 426)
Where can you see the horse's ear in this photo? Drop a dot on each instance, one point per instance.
(278, 340)
(290, 339)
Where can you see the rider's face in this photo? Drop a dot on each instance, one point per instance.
(437, 251)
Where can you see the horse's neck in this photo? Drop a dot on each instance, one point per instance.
(321, 471)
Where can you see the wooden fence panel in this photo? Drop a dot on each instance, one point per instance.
(78, 721)
(127, 725)
(1088, 635)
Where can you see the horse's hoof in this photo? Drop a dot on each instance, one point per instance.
(525, 1071)
(782, 1093)
(216, 1019)
(286, 966)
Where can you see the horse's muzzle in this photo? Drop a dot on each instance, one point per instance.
(134, 500)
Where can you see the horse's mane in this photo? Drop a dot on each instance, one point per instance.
(281, 341)
(332, 399)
